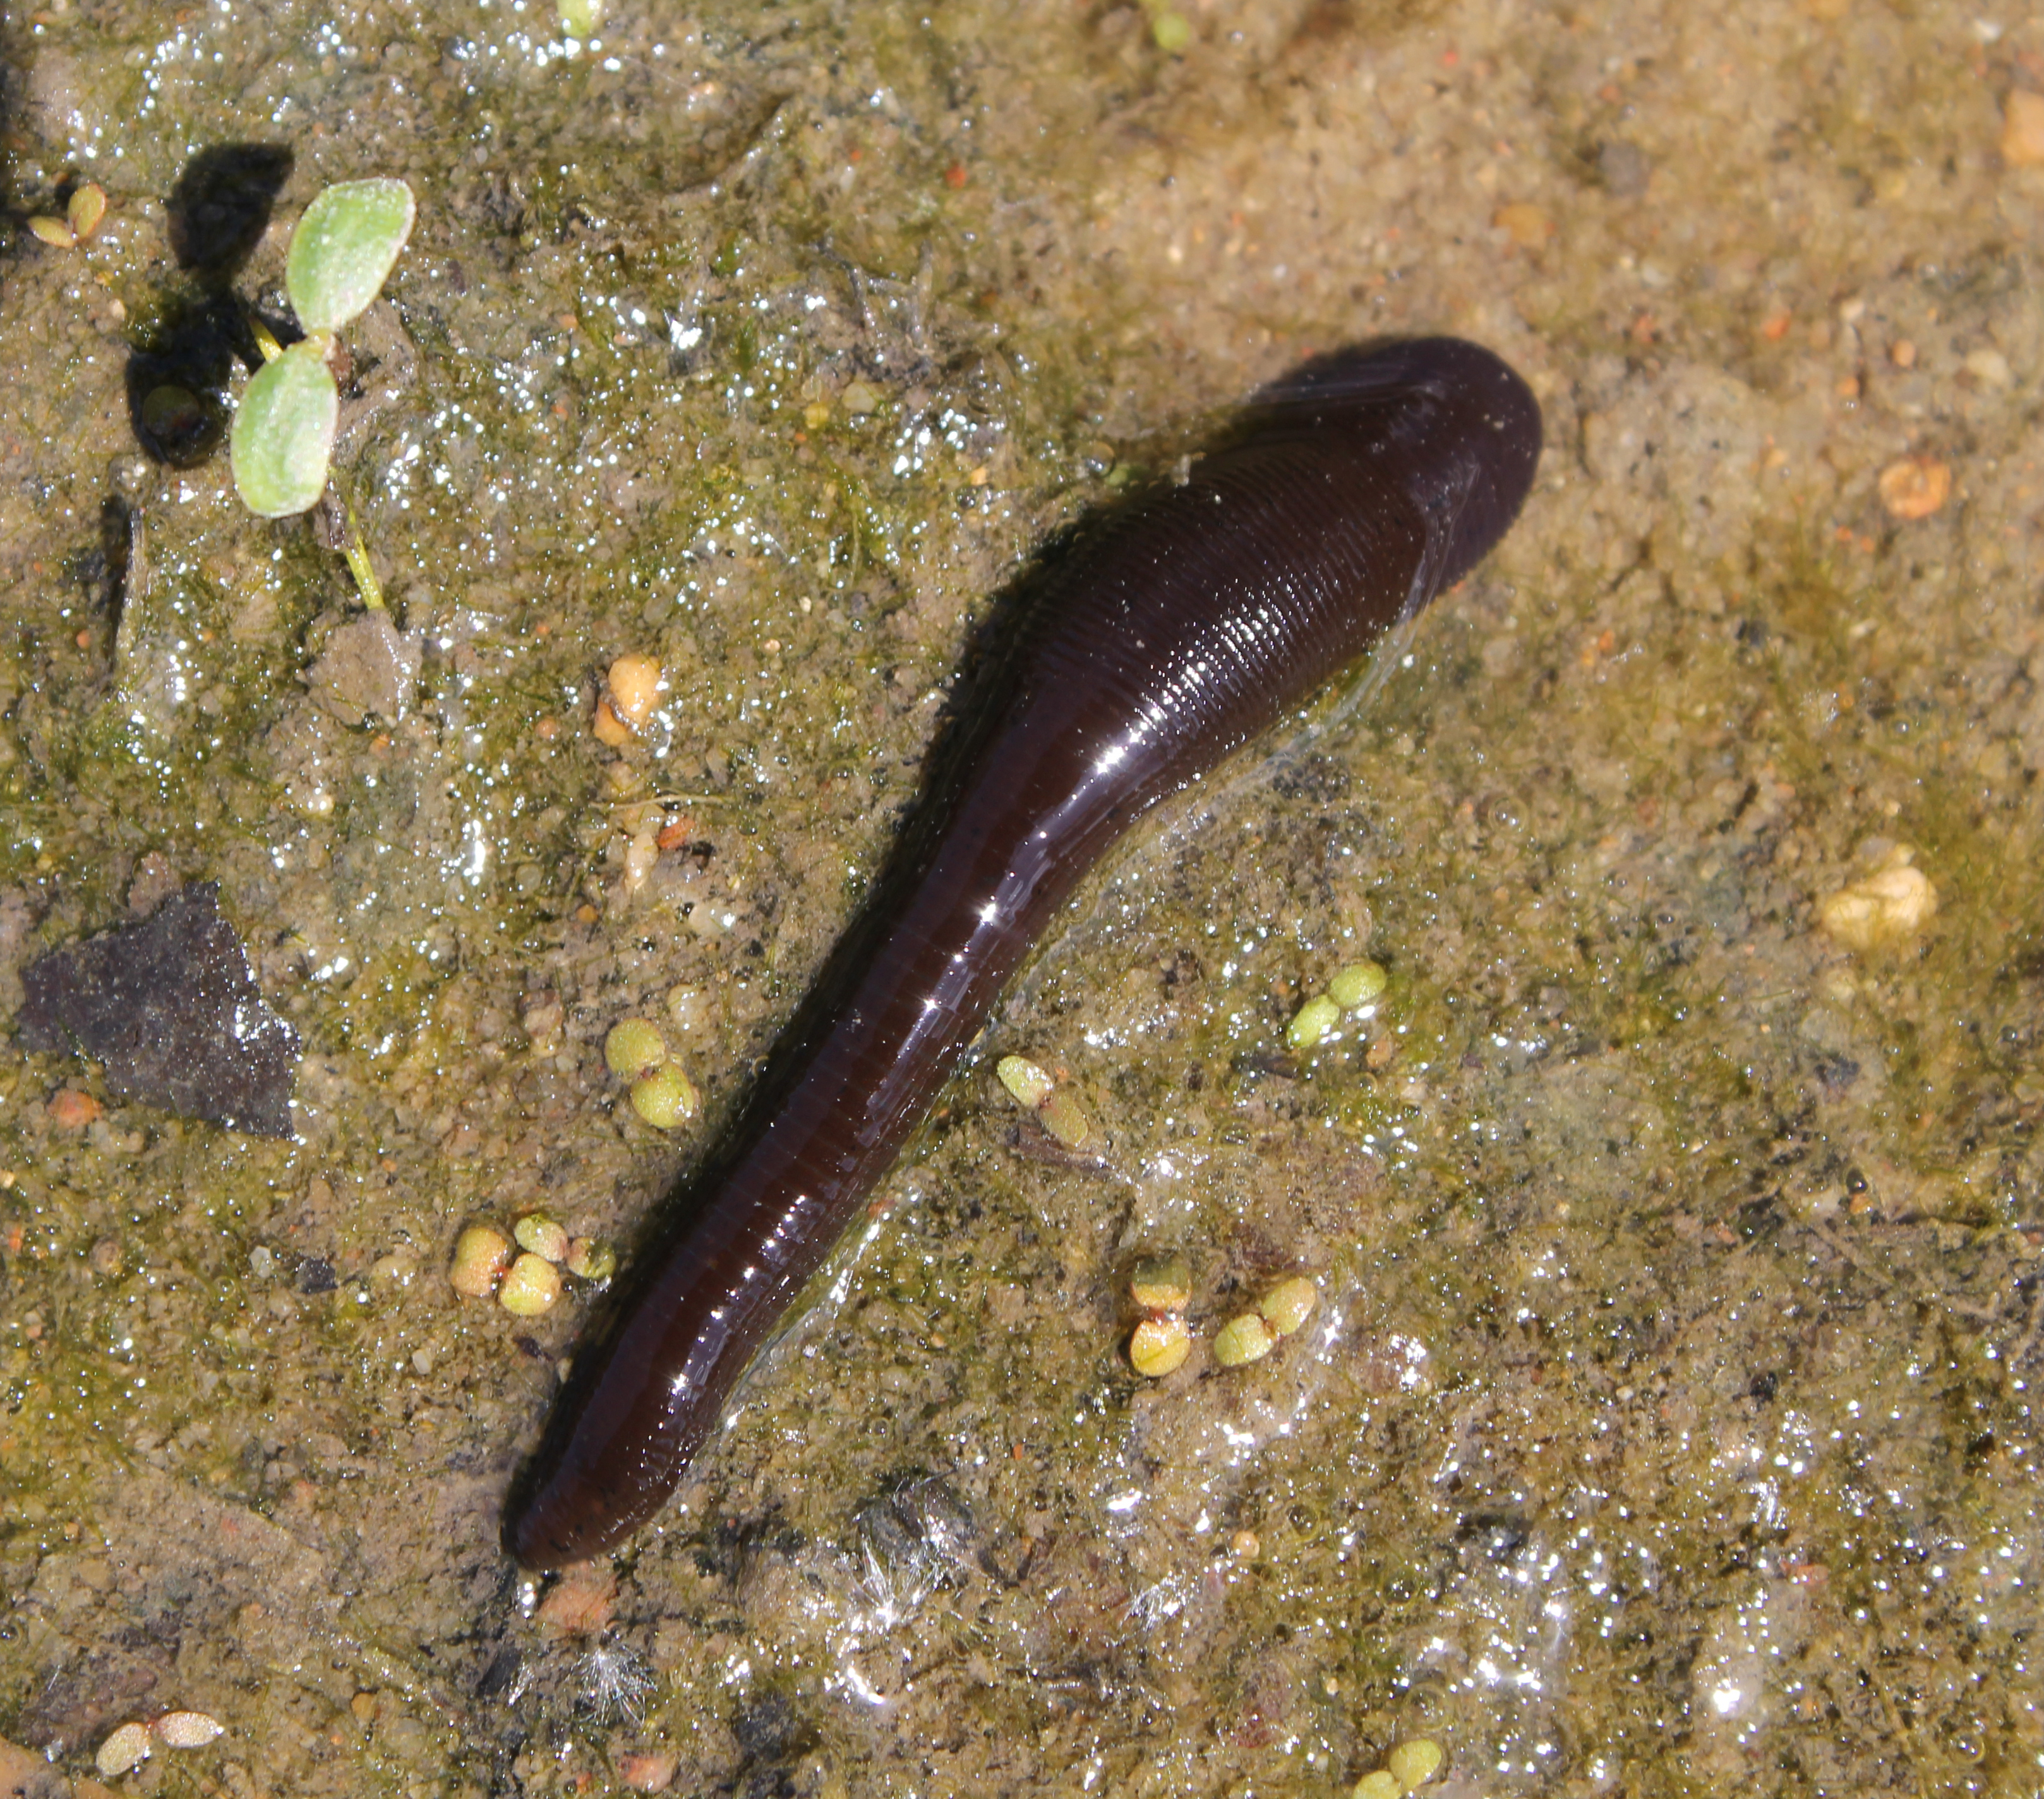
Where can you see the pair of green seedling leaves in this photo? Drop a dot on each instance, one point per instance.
(342, 250)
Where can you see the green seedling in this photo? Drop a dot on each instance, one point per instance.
(283, 432)
(343, 250)
(341, 253)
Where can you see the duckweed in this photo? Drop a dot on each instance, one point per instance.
(542, 1235)
(125, 1748)
(1162, 1282)
(1158, 1346)
(589, 1260)
(1358, 984)
(531, 1287)
(1029, 1084)
(1313, 1023)
(1066, 1119)
(1061, 1115)
(480, 1253)
(87, 208)
(1288, 1304)
(634, 1047)
(1244, 1338)
(1415, 1763)
(665, 1098)
(187, 1730)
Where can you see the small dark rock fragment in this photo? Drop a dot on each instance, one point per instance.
(169, 1008)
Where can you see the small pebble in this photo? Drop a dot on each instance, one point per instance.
(2023, 129)
(1161, 1283)
(1313, 1023)
(1990, 367)
(1244, 1338)
(1889, 905)
(665, 1098)
(480, 1253)
(635, 690)
(531, 1287)
(187, 1730)
(633, 1046)
(1915, 487)
(1157, 1346)
(581, 1603)
(1415, 1763)
(589, 1260)
(642, 854)
(1288, 1304)
(1358, 984)
(649, 1771)
(128, 1748)
(542, 1235)
(71, 1110)
(1528, 225)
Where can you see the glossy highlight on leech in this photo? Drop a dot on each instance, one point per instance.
(1354, 491)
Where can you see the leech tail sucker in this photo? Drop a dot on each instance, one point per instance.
(1353, 491)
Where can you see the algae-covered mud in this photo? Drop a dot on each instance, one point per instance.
(1665, 1417)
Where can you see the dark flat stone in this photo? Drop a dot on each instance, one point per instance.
(169, 1008)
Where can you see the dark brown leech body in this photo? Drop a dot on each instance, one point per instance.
(1360, 487)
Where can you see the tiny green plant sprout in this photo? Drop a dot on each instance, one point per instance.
(341, 253)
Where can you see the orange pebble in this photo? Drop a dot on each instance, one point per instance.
(72, 1110)
(1916, 487)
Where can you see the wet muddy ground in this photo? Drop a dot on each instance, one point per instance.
(1668, 1422)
